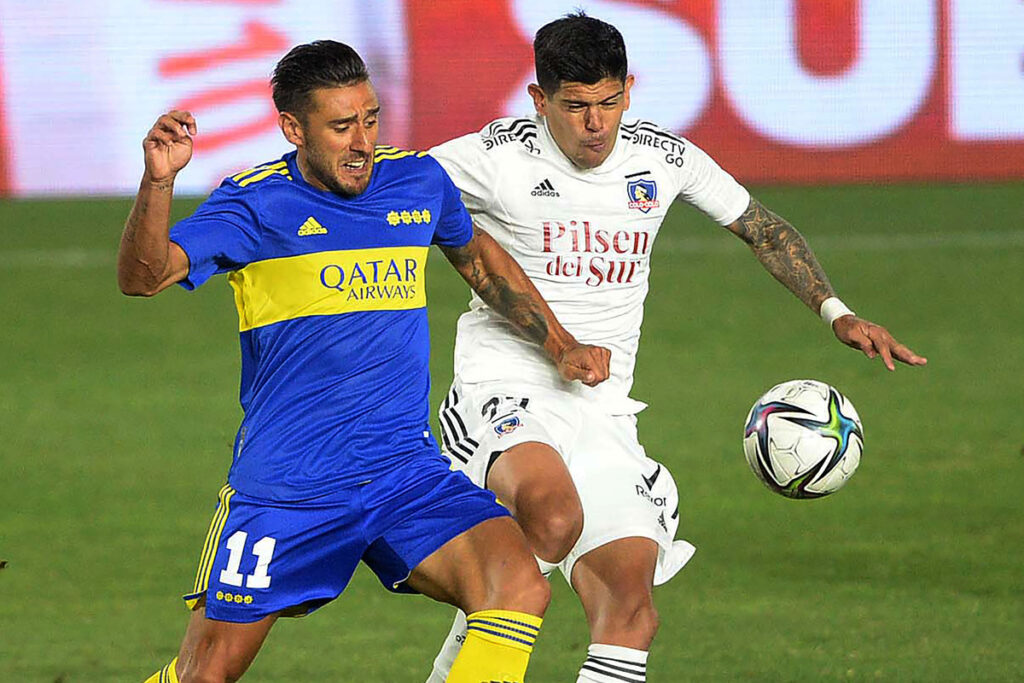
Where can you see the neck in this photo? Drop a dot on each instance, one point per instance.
(307, 171)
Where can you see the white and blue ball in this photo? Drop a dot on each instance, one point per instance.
(803, 439)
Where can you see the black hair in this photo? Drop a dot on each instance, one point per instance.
(580, 49)
(309, 67)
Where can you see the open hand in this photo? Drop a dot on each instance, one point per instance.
(874, 340)
(587, 363)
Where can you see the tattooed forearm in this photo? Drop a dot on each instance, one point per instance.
(499, 281)
(784, 253)
(516, 299)
(517, 306)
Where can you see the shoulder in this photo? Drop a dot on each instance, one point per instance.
(389, 160)
(259, 177)
(250, 187)
(395, 164)
(510, 130)
(499, 137)
(648, 138)
(389, 153)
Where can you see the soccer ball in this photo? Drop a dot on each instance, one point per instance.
(803, 439)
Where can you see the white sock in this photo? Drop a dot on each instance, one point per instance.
(450, 649)
(613, 664)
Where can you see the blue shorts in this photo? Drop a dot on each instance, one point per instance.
(263, 557)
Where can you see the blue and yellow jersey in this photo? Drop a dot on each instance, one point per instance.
(332, 316)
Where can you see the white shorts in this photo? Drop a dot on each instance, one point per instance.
(624, 493)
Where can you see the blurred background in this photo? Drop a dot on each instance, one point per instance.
(890, 133)
(778, 90)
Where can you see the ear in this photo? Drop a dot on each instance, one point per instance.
(292, 128)
(540, 98)
(625, 91)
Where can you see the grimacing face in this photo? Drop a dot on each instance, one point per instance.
(584, 119)
(336, 137)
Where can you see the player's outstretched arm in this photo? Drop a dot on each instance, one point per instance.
(501, 283)
(147, 261)
(784, 253)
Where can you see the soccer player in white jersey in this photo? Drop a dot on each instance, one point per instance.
(577, 196)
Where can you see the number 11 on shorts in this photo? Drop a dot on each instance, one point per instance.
(263, 549)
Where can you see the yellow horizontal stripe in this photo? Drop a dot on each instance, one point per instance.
(505, 627)
(329, 283)
(250, 171)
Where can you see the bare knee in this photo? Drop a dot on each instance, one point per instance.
(552, 526)
(643, 619)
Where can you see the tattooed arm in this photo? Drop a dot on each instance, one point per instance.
(147, 261)
(501, 283)
(785, 254)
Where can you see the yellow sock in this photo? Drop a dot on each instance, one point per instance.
(497, 648)
(165, 675)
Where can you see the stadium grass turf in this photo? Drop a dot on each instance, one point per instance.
(117, 416)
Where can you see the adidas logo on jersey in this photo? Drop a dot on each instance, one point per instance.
(545, 189)
(311, 227)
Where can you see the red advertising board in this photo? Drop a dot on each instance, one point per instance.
(778, 91)
(5, 186)
(832, 91)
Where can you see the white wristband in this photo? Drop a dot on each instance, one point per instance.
(832, 308)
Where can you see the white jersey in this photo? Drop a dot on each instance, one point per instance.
(584, 236)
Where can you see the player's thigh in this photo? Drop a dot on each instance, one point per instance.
(512, 440)
(488, 566)
(434, 531)
(532, 480)
(481, 422)
(219, 650)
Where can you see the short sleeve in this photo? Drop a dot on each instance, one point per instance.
(711, 189)
(222, 235)
(472, 170)
(455, 229)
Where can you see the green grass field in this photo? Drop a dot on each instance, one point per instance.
(117, 417)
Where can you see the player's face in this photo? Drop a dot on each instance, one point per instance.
(336, 137)
(584, 119)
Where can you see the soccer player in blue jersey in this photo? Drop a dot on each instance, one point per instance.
(334, 462)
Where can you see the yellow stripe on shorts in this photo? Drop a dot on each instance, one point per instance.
(220, 517)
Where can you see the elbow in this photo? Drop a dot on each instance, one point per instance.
(135, 286)
(129, 289)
